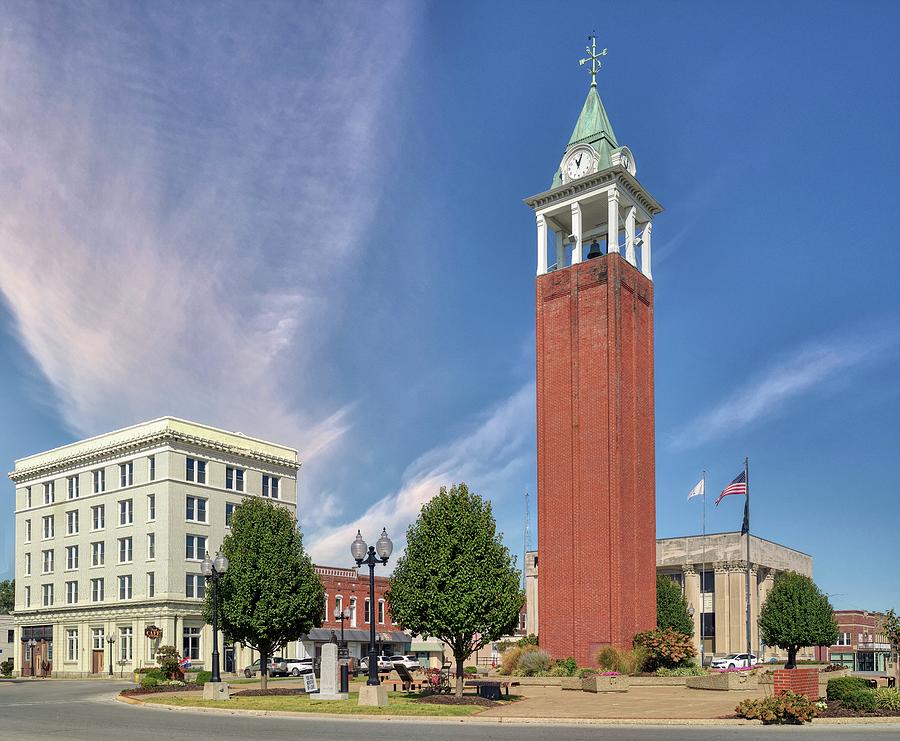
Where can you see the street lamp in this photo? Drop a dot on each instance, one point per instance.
(341, 615)
(364, 554)
(31, 644)
(110, 639)
(213, 571)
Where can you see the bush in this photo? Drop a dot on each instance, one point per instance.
(860, 700)
(530, 640)
(666, 648)
(565, 668)
(533, 663)
(625, 662)
(839, 687)
(148, 682)
(582, 673)
(470, 669)
(887, 699)
(6, 668)
(168, 657)
(154, 672)
(785, 708)
(682, 671)
(509, 659)
(203, 677)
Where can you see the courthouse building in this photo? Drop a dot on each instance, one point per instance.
(711, 571)
(110, 533)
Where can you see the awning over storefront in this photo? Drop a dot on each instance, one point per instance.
(427, 646)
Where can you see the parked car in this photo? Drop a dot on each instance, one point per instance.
(384, 664)
(294, 667)
(253, 669)
(734, 661)
(410, 662)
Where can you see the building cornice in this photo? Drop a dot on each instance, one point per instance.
(616, 175)
(142, 441)
(157, 609)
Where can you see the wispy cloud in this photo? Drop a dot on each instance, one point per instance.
(182, 188)
(493, 457)
(808, 368)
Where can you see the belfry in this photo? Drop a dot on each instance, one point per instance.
(595, 405)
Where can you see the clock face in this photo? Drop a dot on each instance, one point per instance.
(579, 164)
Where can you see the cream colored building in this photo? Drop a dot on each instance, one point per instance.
(110, 532)
(711, 571)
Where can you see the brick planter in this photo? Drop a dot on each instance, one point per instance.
(724, 681)
(801, 681)
(597, 683)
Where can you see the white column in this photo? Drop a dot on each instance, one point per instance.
(612, 238)
(629, 236)
(645, 250)
(560, 249)
(541, 245)
(576, 230)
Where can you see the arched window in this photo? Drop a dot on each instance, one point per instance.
(368, 611)
(338, 603)
(381, 611)
(353, 612)
(325, 609)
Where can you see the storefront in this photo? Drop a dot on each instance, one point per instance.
(37, 650)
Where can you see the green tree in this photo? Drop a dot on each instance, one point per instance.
(7, 595)
(271, 594)
(890, 626)
(456, 581)
(796, 614)
(671, 607)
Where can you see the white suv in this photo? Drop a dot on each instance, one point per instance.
(734, 661)
(294, 667)
(410, 662)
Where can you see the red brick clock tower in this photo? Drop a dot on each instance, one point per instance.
(595, 407)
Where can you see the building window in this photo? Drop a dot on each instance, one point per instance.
(843, 639)
(72, 482)
(98, 517)
(48, 526)
(126, 637)
(151, 468)
(325, 609)
(709, 625)
(49, 492)
(71, 592)
(126, 511)
(126, 550)
(151, 584)
(353, 612)
(151, 507)
(229, 513)
(151, 546)
(367, 611)
(72, 522)
(707, 581)
(99, 477)
(71, 557)
(270, 486)
(27, 596)
(234, 478)
(126, 474)
(195, 470)
(47, 562)
(27, 531)
(338, 603)
(194, 547)
(28, 497)
(98, 553)
(97, 639)
(381, 611)
(47, 594)
(125, 586)
(96, 590)
(195, 586)
(27, 564)
(72, 644)
(191, 643)
(195, 509)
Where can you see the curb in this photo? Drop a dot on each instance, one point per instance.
(499, 720)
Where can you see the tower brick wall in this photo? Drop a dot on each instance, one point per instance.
(596, 464)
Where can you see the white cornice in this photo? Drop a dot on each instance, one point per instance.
(617, 175)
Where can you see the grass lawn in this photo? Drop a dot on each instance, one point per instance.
(401, 704)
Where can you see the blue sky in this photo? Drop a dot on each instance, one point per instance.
(304, 221)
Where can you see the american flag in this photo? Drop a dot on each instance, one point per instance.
(738, 486)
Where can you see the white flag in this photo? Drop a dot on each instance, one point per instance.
(697, 491)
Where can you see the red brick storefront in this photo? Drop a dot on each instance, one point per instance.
(596, 465)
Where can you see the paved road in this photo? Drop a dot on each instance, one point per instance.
(86, 711)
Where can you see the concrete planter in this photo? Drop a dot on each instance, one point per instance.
(571, 683)
(724, 681)
(657, 681)
(597, 683)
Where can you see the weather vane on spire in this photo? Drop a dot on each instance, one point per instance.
(594, 58)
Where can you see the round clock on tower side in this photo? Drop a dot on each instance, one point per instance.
(579, 162)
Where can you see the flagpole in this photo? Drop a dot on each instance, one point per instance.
(703, 570)
(747, 481)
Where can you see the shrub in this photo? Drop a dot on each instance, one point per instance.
(785, 708)
(154, 672)
(887, 699)
(860, 700)
(582, 673)
(625, 662)
(533, 663)
(681, 671)
(173, 683)
(168, 657)
(6, 668)
(530, 640)
(509, 659)
(148, 682)
(609, 657)
(666, 648)
(565, 667)
(203, 677)
(470, 669)
(839, 687)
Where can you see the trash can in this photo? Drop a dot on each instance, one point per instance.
(490, 691)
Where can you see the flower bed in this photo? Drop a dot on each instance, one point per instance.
(162, 688)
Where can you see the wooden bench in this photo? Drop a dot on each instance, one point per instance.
(499, 684)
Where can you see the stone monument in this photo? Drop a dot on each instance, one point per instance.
(329, 687)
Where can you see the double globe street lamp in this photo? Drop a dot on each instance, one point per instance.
(213, 571)
(110, 639)
(365, 554)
